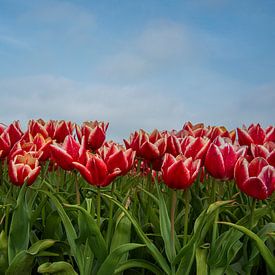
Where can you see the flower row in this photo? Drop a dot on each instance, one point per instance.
(175, 156)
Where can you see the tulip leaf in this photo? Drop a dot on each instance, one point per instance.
(23, 261)
(70, 231)
(265, 252)
(111, 262)
(152, 248)
(201, 261)
(202, 225)
(57, 268)
(3, 252)
(138, 263)
(20, 226)
(93, 234)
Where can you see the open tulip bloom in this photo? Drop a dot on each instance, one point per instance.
(256, 179)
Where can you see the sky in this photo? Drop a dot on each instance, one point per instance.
(138, 64)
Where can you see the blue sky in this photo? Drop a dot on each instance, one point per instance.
(138, 64)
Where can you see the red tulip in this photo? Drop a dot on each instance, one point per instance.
(256, 179)
(116, 157)
(173, 145)
(94, 132)
(196, 130)
(221, 158)
(195, 147)
(222, 132)
(69, 152)
(147, 146)
(5, 144)
(255, 134)
(23, 168)
(266, 151)
(96, 171)
(37, 127)
(61, 129)
(179, 172)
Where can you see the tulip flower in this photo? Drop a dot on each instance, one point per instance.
(173, 145)
(116, 157)
(256, 179)
(195, 147)
(266, 151)
(5, 144)
(94, 132)
(221, 158)
(136, 140)
(255, 134)
(197, 130)
(221, 131)
(23, 168)
(69, 152)
(95, 172)
(179, 172)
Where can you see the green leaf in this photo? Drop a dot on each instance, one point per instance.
(165, 226)
(152, 248)
(111, 262)
(3, 252)
(57, 268)
(202, 225)
(201, 261)
(265, 252)
(70, 231)
(93, 234)
(138, 263)
(20, 227)
(23, 261)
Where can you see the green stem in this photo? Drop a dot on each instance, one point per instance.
(186, 216)
(110, 221)
(77, 194)
(251, 220)
(7, 220)
(215, 227)
(172, 217)
(213, 191)
(98, 206)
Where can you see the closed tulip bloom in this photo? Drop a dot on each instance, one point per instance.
(195, 147)
(69, 152)
(95, 172)
(94, 132)
(23, 168)
(266, 151)
(179, 172)
(256, 179)
(221, 158)
(173, 145)
(5, 144)
(255, 134)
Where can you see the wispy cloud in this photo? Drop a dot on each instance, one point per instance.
(127, 108)
(10, 41)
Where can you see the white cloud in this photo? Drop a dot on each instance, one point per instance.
(127, 108)
(159, 46)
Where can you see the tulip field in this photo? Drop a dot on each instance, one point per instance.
(198, 200)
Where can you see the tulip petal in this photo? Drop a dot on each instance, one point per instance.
(214, 162)
(178, 176)
(255, 188)
(243, 137)
(84, 172)
(62, 158)
(241, 173)
(149, 151)
(256, 166)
